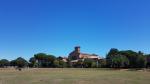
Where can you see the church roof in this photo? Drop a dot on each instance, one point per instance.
(88, 54)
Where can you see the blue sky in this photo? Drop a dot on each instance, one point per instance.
(56, 26)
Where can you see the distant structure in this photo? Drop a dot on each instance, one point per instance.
(77, 55)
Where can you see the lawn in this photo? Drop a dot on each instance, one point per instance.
(73, 76)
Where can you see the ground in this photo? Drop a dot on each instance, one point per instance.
(73, 76)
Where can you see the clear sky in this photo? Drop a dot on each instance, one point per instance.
(56, 26)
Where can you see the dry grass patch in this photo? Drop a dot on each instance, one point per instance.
(73, 76)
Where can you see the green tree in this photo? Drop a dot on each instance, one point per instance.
(56, 63)
(136, 59)
(21, 62)
(59, 64)
(94, 64)
(33, 62)
(59, 58)
(45, 60)
(148, 60)
(4, 63)
(113, 52)
(62, 64)
(13, 63)
(88, 63)
(103, 63)
(69, 63)
(132, 56)
(120, 61)
(79, 64)
(141, 61)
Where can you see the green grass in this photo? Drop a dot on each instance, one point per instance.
(73, 76)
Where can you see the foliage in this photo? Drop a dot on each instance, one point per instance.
(33, 62)
(119, 61)
(102, 63)
(13, 63)
(88, 63)
(4, 63)
(94, 64)
(59, 64)
(114, 59)
(21, 62)
(112, 53)
(125, 59)
(148, 60)
(45, 60)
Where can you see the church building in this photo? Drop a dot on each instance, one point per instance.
(76, 55)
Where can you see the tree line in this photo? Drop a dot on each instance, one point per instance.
(114, 59)
(127, 59)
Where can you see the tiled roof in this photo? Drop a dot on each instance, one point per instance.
(88, 54)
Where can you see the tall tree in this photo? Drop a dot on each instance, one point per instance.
(21, 62)
(141, 61)
(120, 61)
(132, 56)
(113, 52)
(148, 60)
(33, 62)
(45, 60)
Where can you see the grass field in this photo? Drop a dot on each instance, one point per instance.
(73, 76)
